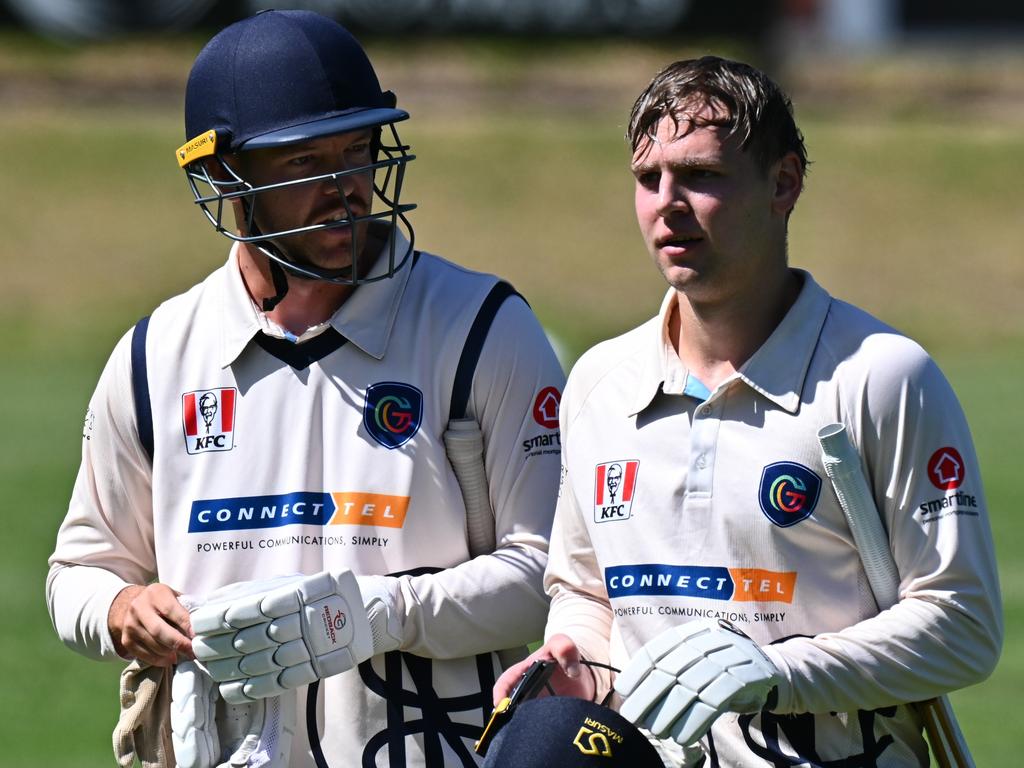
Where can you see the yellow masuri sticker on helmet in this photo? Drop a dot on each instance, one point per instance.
(203, 145)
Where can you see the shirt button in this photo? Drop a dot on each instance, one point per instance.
(701, 462)
(705, 411)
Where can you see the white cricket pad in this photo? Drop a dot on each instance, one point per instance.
(193, 717)
(208, 732)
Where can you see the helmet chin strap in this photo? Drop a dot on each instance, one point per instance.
(277, 274)
(281, 265)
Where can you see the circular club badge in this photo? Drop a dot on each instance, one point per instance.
(946, 469)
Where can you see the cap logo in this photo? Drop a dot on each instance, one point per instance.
(595, 743)
(203, 145)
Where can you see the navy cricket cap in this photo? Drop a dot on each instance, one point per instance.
(282, 77)
(569, 733)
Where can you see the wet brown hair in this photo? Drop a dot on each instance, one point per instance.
(738, 97)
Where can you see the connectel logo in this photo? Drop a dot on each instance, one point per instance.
(244, 513)
(709, 582)
(789, 493)
(392, 412)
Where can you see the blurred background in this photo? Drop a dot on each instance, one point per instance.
(912, 111)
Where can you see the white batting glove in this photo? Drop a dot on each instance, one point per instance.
(207, 732)
(262, 638)
(382, 600)
(680, 682)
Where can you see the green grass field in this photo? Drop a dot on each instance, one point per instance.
(907, 213)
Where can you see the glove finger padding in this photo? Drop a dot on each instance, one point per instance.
(208, 732)
(261, 638)
(681, 681)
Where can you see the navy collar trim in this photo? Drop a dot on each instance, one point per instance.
(301, 356)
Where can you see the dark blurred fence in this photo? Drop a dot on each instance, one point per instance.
(833, 25)
(97, 19)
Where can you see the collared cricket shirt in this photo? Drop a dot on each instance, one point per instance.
(271, 457)
(679, 503)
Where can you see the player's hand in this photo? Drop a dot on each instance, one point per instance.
(680, 682)
(570, 679)
(150, 624)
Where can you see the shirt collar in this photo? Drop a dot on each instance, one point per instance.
(777, 370)
(661, 368)
(366, 319)
(239, 316)
(368, 316)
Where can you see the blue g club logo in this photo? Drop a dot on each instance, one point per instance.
(392, 412)
(788, 493)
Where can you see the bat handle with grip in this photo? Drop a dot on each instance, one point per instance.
(844, 470)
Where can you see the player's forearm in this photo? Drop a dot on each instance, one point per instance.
(579, 602)
(490, 603)
(588, 622)
(916, 650)
(79, 599)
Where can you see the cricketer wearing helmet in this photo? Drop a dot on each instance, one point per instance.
(265, 496)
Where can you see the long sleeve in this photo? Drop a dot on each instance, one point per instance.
(946, 630)
(579, 602)
(106, 540)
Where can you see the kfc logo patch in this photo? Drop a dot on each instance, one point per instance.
(545, 407)
(208, 418)
(946, 469)
(614, 486)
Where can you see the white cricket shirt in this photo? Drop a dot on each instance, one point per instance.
(273, 458)
(678, 503)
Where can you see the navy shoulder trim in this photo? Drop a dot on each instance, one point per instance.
(473, 346)
(140, 387)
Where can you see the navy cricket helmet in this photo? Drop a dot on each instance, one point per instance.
(280, 78)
